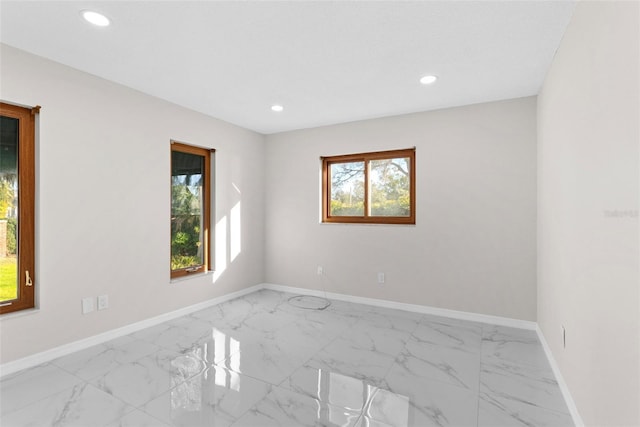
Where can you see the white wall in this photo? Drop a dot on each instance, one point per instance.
(103, 203)
(473, 247)
(588, 185)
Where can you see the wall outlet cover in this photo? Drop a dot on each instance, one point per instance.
(103, 302)
(87, 305)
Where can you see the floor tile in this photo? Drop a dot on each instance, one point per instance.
(286, 408)
(237, 311)
(435, 406)
(368, 422)
(177, 335)
(348, 358)
(270, 360)
(264, 322)
(396, 320)
(215, 347)
(377, 338)
(210, 314)
(120, 341)
(82, 405)
(138, 419)
(432, 362)
(515, 345)
(100, 359)
(330, 387)
(138, 382)
(497, 412)
(90, 362)
(216, 397)
(320, 327)
(25, 387)
(347, 311)
(415, 401)
(268, 300)
(523, 384)
(466, 337)
(466, 324)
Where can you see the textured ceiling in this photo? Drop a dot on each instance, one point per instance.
(326, 62)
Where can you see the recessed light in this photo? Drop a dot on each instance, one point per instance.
(95, 18)
(277, 108)
(428, 79)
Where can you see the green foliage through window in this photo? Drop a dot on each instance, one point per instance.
(12, 234)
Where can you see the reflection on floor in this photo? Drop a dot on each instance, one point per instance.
(259, 361)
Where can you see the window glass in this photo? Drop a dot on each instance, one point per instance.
(390, 187)
(347, 189)
(9, 287)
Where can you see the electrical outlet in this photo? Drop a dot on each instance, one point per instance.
(320, 270)
(103, 302)
(87, 305)
(380, 277)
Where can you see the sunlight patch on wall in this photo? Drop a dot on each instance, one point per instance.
(235, 231)
(221, 248)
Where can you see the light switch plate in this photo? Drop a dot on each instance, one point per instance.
(87, 305)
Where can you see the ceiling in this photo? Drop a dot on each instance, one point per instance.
(326, 62)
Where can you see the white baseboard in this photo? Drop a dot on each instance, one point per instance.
(49, 355)
(571, 405)
(463, 315)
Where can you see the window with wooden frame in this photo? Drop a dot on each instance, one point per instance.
(371, 188)
(190, 209)
(17, 207)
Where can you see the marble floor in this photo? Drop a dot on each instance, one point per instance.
(259, 361)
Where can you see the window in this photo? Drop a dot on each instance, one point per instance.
(17, 201)
(190, 209)
(374, 188)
